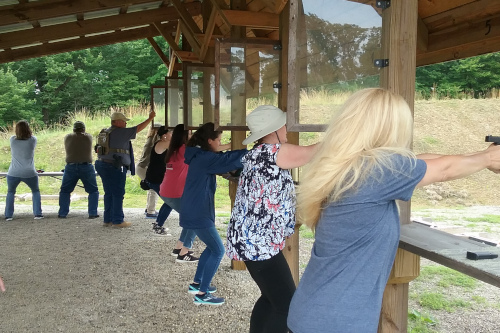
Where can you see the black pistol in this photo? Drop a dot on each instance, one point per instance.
(494, 139)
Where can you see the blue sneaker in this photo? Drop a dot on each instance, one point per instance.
(208, 299)
(194, 288)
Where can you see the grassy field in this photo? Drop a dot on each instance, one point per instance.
(441, 126)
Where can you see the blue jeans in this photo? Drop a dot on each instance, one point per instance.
(165, 209)
(113, 183)
(72, 173)
(187, 235)
(210, 258)
(12, 183)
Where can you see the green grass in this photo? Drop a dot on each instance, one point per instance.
(305, 232)
(437, 301)
(420, 322)
(447, 277)
(488, 218)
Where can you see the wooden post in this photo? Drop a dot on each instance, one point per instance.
(399, 42)
(237, 136)
(291, 250)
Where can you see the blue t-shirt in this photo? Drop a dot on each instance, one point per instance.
(356, 241)
(120, 138)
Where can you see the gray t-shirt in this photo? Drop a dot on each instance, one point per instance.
(23, 157)
(342, 287)
(120, 138)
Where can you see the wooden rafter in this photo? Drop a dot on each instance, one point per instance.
(61, 31)
(76, 44)
(173, 49)
(463, 15)
(256, 20)
(208, 34)
(39, 10)
(158, 51)
(188, 27)
(220, 5)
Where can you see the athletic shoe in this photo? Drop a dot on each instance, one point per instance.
(194, 288)
(208, 299)
(175, 252)
(188, 257)
(151, 216)
(122, 225)
(161, 232)
(10, 219)
(93, 216)
(38, 217)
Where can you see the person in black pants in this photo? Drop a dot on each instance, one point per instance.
(264, 215)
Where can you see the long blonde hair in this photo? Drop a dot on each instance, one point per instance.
(372, 125)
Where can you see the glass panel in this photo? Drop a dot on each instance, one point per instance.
(201, 95)
(158, 103)
(247, 73)
(175, 102)
(338, 41)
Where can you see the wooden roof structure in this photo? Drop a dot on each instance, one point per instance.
(447, 29)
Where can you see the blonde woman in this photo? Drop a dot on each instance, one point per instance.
(348, 197)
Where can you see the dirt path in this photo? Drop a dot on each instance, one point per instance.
(73, 275)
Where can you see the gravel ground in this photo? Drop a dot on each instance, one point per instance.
(74, 275)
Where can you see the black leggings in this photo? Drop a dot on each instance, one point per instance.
(276, 284)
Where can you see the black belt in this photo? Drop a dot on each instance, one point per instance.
(83, 163)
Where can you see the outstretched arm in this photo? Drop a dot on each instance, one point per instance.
(293, 156)
(145, 123)
(449, 167)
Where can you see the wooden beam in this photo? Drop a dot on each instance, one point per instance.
(173, 59)
(208, 34)
(422, 35)
(427, 8)
(481, 37)
(79, 28)
(472, 12)
(256, 20)
(489, 45)
(191, 38)
(186, 17)
(158, 51)
(39, 10)
(186, 56)
(76, 44)
(220, 5)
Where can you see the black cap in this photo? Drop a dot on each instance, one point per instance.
(78, 125)
(162, 130)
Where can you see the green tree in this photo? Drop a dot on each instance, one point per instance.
(15, 103)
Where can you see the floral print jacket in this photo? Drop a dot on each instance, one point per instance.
(264, 209)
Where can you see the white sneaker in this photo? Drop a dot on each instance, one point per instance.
(38, 217)
(8, 219)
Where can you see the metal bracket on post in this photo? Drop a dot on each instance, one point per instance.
(381, 63)
(384, 4)
(277, 47)
(277, 85)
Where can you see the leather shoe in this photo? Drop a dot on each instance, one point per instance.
(122, 225)
(93, 216)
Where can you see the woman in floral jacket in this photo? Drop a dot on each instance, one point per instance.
(264, 215)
